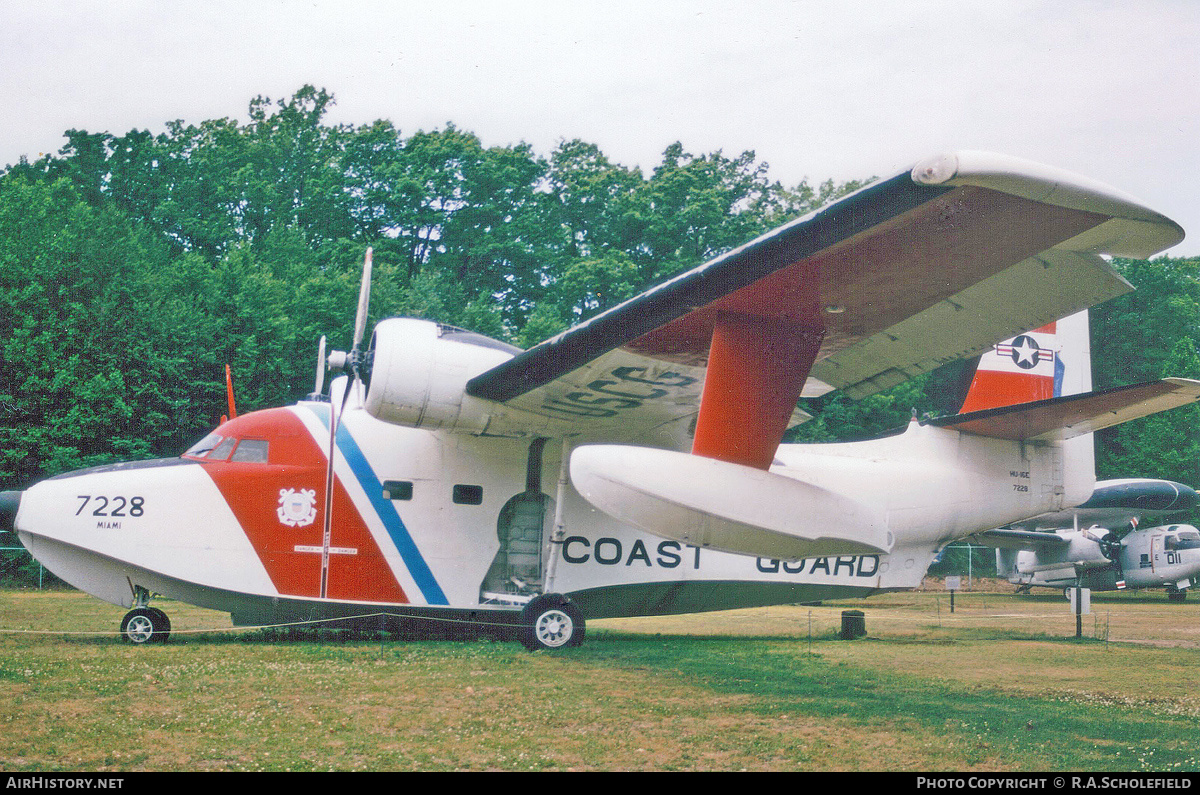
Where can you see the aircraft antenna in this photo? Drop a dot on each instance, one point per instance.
(229, 392)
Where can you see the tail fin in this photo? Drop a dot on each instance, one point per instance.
(1051, 361)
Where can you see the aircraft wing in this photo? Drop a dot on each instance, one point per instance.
(931, 265)
(1073, 415)
(1006, 538)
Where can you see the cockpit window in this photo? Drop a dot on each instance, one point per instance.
(215, 447)
(222, 451)
(252, 451)
(1182, 541)
(202, 447)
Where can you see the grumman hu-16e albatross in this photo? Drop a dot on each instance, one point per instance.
(632, 465)
(1098, 545)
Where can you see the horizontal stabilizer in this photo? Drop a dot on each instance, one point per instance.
(1074, 415)
(718, 505)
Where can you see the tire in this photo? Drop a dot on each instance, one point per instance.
(550, 621)
(1177, 596)
(144, 625)
(162, 627)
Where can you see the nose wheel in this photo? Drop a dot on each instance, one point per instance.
(145, 625)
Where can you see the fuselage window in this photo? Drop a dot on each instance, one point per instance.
(397, 490)
(253, 451)
(468, 495)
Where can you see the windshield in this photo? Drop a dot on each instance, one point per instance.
(202, 447)
(1184, 540)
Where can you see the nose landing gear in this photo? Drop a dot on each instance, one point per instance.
(145, 624)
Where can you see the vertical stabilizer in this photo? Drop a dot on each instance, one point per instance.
(1051, 361)
(1021, 369)
(1079, 453)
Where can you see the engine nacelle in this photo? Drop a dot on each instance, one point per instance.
(419, 373)
(1083, 551)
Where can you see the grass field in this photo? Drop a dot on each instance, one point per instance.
(999, 685)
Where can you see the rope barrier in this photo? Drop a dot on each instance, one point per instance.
(831, 613)
(284, 625)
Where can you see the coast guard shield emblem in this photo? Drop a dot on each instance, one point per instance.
(297, 508)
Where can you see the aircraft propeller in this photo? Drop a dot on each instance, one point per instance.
(1110, 546)
(1109, 541)
(356, 364)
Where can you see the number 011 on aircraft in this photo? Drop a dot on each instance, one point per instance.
(632, 465)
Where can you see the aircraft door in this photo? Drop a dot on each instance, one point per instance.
(518, 570)
(520, 529)
(1157, 559)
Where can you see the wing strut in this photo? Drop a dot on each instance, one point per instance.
(756, 369)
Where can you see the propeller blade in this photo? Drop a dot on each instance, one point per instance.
(321, 365)
(335, 416)
(364, 298)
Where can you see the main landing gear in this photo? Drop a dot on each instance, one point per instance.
(550, 621)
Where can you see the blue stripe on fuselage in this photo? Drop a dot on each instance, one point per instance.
(370, 483)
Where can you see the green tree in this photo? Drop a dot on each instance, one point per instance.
(1141, 336)
(1165, 445)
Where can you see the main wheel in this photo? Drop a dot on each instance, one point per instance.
(551, 622)
(145, 625)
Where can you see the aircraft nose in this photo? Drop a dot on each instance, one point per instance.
(9, 502)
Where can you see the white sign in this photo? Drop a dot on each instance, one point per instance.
(953, 583)
(1086, 605)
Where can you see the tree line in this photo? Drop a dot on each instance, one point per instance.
(134, 267)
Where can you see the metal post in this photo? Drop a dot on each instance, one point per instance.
(1078, 612)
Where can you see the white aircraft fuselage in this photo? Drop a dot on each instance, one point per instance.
(421, 517)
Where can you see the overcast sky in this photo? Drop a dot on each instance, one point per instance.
(817, 89)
